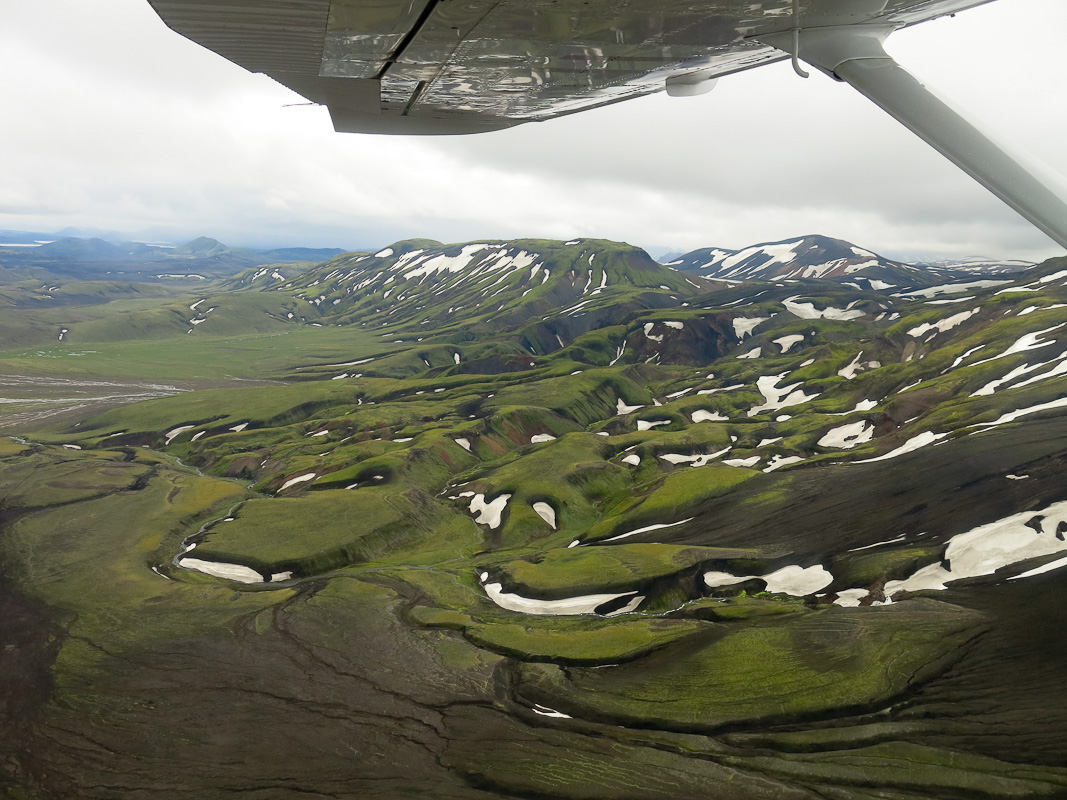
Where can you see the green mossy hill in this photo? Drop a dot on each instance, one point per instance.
(350, 527)
(581, 642)
(495, 284)
(584, 570)
(786, 669)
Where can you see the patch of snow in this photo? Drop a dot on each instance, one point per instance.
(647, 528)
(755, 353)
(538, 438)
(744, 326)
(944, 325)
(626, 609)
(1018, 372)
(894, 540)
(621, 408)
(862, 405)
(962, 358)
(644, 425)
(777, 462)
(798, 581)
(700, 415)
(1059, 562)
(951, 288)
(850, 598)
(633, 459)
(489, 513)
(777, 398)
(809, 311)
(570, 606)
(239, 428)
(913, 444)
(177, 432)
(787, 342)
(310, 476)
(850, 372)
(713, 579)
(546, 512)
(848, 436)
(694, 460)
(220, 569)
(1022, 412)
(751, 461)
(791, 580)
(464, 443)
(545, 711)
(987, 548)
(281, 576)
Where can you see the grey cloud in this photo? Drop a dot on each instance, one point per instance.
(128, 126)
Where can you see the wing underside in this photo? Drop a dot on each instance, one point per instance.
(462, 66)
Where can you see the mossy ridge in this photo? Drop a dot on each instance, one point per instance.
(368, 525)
(567, 572)
(741, 608)
(809, 666)
(587, 644)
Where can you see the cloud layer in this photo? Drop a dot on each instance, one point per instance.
(127, 126)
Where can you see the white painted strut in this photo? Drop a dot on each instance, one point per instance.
(854, 54)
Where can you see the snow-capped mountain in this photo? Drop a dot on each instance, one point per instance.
(809, 257)
(422, 282)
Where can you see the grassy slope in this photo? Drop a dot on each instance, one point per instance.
(407, 527)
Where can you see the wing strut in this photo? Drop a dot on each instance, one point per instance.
(854, 54)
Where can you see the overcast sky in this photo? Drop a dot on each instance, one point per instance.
(111, 121)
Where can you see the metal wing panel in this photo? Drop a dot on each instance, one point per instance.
(533, 60)
(276, 37)
(400, 65)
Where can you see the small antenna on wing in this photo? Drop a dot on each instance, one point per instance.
(799, 70)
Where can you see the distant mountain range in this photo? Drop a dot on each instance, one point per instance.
(94, 258)
(821, 257)
(815, 257)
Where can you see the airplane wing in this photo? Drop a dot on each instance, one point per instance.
(462, 66)
(468, 66)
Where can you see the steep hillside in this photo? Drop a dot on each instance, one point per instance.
(421, 286)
